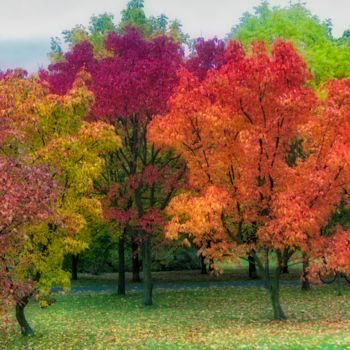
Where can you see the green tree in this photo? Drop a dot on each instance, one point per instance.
(100, 25)
(326, 56)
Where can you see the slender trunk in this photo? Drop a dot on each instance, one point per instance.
(252, 267)
(75, 259)
(21, 319)
(285, 259)
(305, 283)
(203, 265)
(285, 268)
(339, 284)
(146, 270)
(211, 268)
(121, 266)
(135, 261)
(274, 289)
(272, 283)
(211, 261)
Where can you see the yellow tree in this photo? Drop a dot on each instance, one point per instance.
(53, 133)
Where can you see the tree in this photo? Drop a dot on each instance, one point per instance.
(49, 132)
(235, 129)
(100, 25)
(134, 15)
(206, 55)
(96, 34)
(176, 33)
(26, 197)
(327, 57)
(131, 86)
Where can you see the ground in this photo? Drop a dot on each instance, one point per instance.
(196, 316)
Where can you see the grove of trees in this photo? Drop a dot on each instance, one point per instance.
(239, 148)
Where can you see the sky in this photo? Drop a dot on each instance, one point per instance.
(26, 26)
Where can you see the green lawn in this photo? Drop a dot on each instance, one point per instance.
(220, 318)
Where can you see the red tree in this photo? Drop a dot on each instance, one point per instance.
(206, 55)
(131, 86)
(26, 197)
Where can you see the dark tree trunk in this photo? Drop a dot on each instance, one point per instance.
(339, 284)
(210, 267)
(135, 261)
(203, 265)
(285, 269)
(274, 290)
(252, 267)
(121, 266)
(75, 259)
(285, 260)
(21, 319)
(305, 283)
(272, 283)
(147, 272)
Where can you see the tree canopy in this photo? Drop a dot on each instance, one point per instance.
(327, 57)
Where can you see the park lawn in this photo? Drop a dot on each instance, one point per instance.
(213, 318)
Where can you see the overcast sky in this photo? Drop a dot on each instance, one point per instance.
(27, 25)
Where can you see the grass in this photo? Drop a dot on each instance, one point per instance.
(214, 318)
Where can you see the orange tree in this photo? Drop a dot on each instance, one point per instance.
(235, 129)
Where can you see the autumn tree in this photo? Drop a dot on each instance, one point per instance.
(131, 86)
(235, 130)
(27, 193)
(49, 132)
(26, 197)
(98, 30)
(327, 56)
(205, 56)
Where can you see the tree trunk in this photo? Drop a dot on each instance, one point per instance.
(285, 268)
(285, 260)
(147, 272)
(211, 268)
(274, 289)
(135, 261)
(75, 259)
(339, 284)
(272, 283)
(121, 266)
(252, 267)
(21, 319)
(203, 265)
(305, 283)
